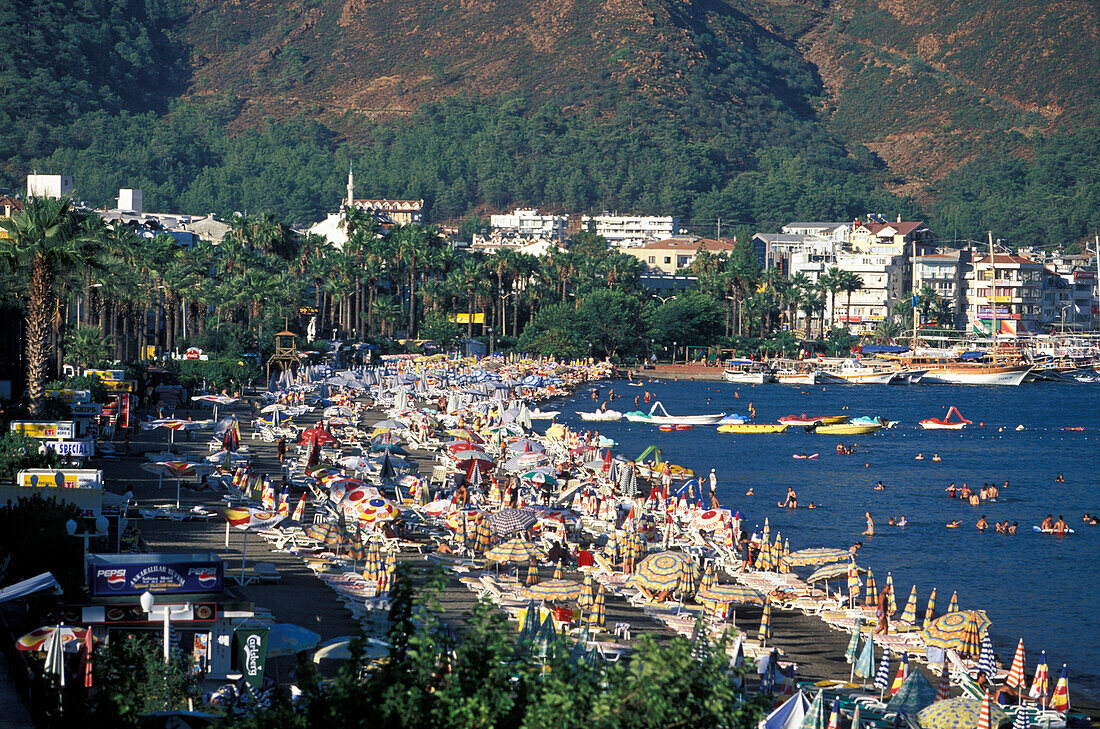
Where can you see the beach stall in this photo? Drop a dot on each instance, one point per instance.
(181, 597)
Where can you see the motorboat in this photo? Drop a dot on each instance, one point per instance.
(752, 428)
(813, 421)
(848, 428)
(663, 418)
(964, 373)
(795, 377)
(853, 371)
(538, 414)
(946, 423)
(746, 372)
(601, 415)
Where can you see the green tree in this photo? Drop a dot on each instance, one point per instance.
(87, 347)
(132, 679)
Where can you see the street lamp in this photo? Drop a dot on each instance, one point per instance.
(674, 351)
(664, 299)
(1064, 317)
(148, 601)
(101, 527)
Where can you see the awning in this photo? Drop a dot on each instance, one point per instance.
(44, 581)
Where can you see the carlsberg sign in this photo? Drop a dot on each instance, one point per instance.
(251, 654)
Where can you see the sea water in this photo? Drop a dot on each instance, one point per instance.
(1038, 587)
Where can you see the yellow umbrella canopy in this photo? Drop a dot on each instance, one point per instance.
(959, 713)
(661, 571)
(554, 590)
(957, 631)
(515, 550)
(730, 593)
(816, 555)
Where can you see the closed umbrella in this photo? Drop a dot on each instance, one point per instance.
(953, 606)
(882, 676)
(943, 690)
(1040, 685)
(1023, 718)
(930, 611)
(1016, 678)
(587, 597)
(1060, 700)
(557, 571)
(987, 662)
(815, 715)
(597, 617)
(909, 614)
(532, 573)
(872, 589)
(865, 666)
(915, 694)
(709, 578)
(765, 632)
(901, 675)
(891, 605)
(984, 712)
(852, 650)
(55, 656)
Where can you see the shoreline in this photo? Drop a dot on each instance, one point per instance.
(305, 600)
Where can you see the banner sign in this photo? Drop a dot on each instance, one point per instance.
(71, 396)
(251, 654)
(120, 385)
(73, 448)
(86, 410)
(73, 478)
(158, 576)
(106, 375)
(52, 430)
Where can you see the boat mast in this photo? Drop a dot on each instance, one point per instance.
(993, 291)
(913, 286)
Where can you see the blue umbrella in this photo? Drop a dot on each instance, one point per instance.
(865, 665)
(1023, 718)
(882, 678)
(284, 639)
(767, 672)
(986, 660)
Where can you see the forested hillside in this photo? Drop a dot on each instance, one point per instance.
(973, 115)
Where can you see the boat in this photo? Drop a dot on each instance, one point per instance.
(852, 371)
(848, 428)
(957, 372)
(653, 468)
(746, 372)
(601, 415)
(752, 428)
(794, 377)
(664, 418)
(537, 414)
(873, 419)
(813, 421)
(946, 423)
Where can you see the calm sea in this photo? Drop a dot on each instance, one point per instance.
(1042, 588)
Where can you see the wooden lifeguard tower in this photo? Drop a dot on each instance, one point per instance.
(286, 352)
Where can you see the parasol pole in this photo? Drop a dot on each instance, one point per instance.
(227, 534)
(244, 550)
(178, 482)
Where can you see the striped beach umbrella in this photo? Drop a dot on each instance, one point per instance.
(865, 666)
(971, 637)
(765, 632)
(957, 631)
(1023, 718)
(872, 589)
(832, 571)
(731, 593)
(983, 713)
(1016, 678)
(709, 579)
(557, 571)
(598, 614)
(901, 675)
(517, 550)
(484, 536)
(1060, 700)
(1040, 685)
(687, 577)
(614, 547)
(815, 715)
(586, 599)
(783, 566)
(852, 650)
(856, 719)
(930, 611)
(909, 614)
(891, 605)
(943, 690)
(661, 571)
(853, 583)
(882, 676)
(834, 716)
(816, 556)
(987, 662)
(953, 606)
(554, 590)
(532, 573)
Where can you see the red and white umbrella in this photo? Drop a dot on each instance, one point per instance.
(377, 509)
(711, 519)
(72, 638)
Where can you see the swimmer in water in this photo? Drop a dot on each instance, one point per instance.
(880, 487)
(950, 491)
(749, 493)
(1047, 523)
(1012, 529)
(936, 457)
(982, 524)
(954, 524)
(920, 457)
(903, 521)
(870, 530)
(814, 506)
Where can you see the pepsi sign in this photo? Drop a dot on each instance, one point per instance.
(158, 576)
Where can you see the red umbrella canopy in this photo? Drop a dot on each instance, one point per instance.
(316, 435)
(483, 466)
(464, 445)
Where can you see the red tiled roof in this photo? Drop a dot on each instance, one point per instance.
(1008, 259)
(901, 228)
(692, 243)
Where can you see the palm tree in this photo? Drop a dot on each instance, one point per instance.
(87, 347)
(849, 283)
(830, 283)
(796, 295)
(45, 237)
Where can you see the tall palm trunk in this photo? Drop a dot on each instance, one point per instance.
(38, 322)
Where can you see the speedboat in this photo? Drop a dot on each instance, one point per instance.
(848, 428)
(812, 421)
(601, 415)
(946, 423)
(664, 418)
(537, 414)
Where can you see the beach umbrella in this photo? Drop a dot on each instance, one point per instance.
(815, 715)
(865, 666)
(853, 583)
(71, 638)
(1023, 718)
(339, 649)
(901, 675)
(1016, 678)
(984, 712)
(882, 676)
(465, 434)
(55, 656)
(856, 721)
(891, 605)
(711, 519)
(377, 509)
(709, 578)
(731, 593)
(597, 617)
(832, 571)
(987, 662)
(852, 650)
(515, 550)
(816, 556)
(554, 590)
(953, 606)
(509, 521)
(963, 712)
(956, 631)
(687, 577)
(765, 632)
(930, 611)
(909, 614)
(789, 715)
(586, 598)
(532, 573)
(660, 572)
(539, 477)
(834, 715)
(872, 589)
(943, 690)
(285, 639)
(484, 536)
(1041, 683)
(914, 694)
(385, 583)
(557, 571)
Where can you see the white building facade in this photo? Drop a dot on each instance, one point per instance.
(627, 231)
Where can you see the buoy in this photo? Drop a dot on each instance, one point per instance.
(866, 465)
(981, 424)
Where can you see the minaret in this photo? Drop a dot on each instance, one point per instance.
(351, 187)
